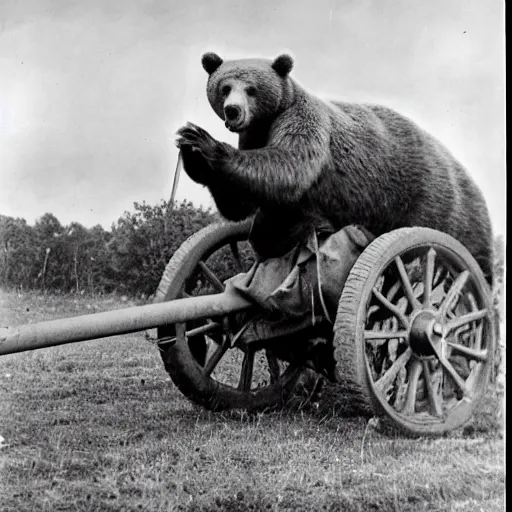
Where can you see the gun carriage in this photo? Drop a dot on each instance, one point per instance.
(412, 338)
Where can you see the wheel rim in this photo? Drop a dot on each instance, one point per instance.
(207, 364)
(428, 338)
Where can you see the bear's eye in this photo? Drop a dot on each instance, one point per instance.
(251, 90)
(226, 89)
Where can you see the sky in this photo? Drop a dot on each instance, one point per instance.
(92, 93)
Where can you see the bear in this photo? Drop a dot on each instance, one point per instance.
(304, 163)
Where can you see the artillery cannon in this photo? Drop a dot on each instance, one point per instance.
(413, 339)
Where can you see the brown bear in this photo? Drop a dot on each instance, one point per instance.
(304, 163)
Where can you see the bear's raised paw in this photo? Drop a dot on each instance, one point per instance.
(197, 139)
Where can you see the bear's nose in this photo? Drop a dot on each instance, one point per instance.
(231, 112)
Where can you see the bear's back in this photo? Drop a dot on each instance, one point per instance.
(391, 173)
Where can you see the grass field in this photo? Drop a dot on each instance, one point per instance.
(98, 426)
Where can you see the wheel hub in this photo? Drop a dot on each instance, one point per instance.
(424, 334)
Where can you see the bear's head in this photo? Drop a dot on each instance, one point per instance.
(247, 92)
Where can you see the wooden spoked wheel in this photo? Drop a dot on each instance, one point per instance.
(414, 337)
(202, 359)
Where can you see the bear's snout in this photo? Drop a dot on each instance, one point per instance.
(232, 112)
(234, 117)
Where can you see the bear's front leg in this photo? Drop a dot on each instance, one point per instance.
(195, 165)
(203, 158)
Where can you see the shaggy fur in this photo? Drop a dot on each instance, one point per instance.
(304, 163)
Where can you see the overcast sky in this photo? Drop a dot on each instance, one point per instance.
(91, 93)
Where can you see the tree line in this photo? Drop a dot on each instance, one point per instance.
(129, 258)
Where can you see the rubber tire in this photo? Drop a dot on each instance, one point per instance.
(349, 347)
(183, 369)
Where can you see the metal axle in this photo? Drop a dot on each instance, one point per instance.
(121, 321)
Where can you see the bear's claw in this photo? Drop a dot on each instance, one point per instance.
(195, 138)
(192, 135)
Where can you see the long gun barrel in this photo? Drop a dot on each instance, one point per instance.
(121, 321)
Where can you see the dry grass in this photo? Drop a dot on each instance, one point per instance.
(97, 426)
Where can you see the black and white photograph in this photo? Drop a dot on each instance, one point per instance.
(252, 255)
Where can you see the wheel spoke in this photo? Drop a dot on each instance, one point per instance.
(211, 326)
(471, 353)
(457, 379)
(378, 338)
(216, 357)
(435, 401)
(388, 378)
(429, 277)
(474, 373)
(214, 280)
(453, 294)
(391, 307)
(410, 399)
(392, 291)
(477, 342)
(465, 319)
(273, 366)
(406, 282)
(236, 256)
(246, 373)
(478, 336)
(384, 335)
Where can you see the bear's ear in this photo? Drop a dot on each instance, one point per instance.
(282, 65)
(211, 62)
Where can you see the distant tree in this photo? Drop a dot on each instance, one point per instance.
(98, 275)
(130, 258)
(75, 246)
(499, 258)
(17, 252)
(51, 260)
(142, 242)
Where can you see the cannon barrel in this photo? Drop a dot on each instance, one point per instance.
(120, 321)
